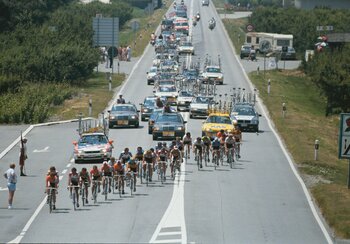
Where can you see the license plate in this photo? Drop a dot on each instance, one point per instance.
(168, 133)
(244, 125)
(123, 122)
(171, 99)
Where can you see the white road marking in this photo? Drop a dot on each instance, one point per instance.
(285, 152)
(72, 161)
(68, 165)
(64, 171)
(61, 176)
(174, 216)
(46, 149)
(3, 189)
(30, 221)
(169, 233)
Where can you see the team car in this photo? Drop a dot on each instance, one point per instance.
(185, 47)
(215, 122)
(213, 74)
(184, 100)
(93, 146)
(199, 106)
(151, 74)
(168, 126)
(170, 92)
(245, 116)
(148, 106)
(123, 115)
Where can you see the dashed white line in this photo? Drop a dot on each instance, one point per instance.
(169, 241)
(64, 171)
(169, 233)
(61, 176)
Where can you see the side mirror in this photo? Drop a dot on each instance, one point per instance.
(259, 115)
(185, 122)
(109, 111)
(147, 72)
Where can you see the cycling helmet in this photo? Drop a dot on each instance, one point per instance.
(105, 163)
(152, 149)
(216, 139)
(188, 134)
(198, 138)
(164, 144)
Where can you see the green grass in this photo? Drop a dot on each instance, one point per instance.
(305, 122)
(235, 30)
(95, 88)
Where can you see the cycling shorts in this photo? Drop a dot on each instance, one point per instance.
(133, 170)
(53, 184)
(216, 147)
(229, 145)
(175, 158)
(162, 158)
(108, 174)
(207, 143)
(96, 177)
(187, 142)
(199, 147)
(149, 160)
(74, 183)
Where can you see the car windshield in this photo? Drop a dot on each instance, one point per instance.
(155, 114)
(201, 100)
(213, 70)
(153, 70)
(171, 118)
(185, 94)
(92, 139)
(219, 119)
(187, 44)
(149, 101)
(167, 89)
(166, 82)
(121, 108)
(191, 73)
(245, 111)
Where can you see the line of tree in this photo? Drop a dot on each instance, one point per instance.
(49, 42)
(329, 69)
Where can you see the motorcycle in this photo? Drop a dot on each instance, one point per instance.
(152, 42)
(198, 17)
(212, 25)
(194, 22)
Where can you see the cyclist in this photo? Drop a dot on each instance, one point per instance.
(180, 144)
(166, 147)
(106, 171)
(132, 166)
(172, 145)
(187, 140)
(73, 182)
(95, 176)
(238, 138)
(147, 162)
(139, 154)
(85, 179)
(222, 137)
(230, 145)
(175, 155)
(125, 156)
(198, 145)
(206, 141)
(154, 157)
(52, 181)
(159, 146)
(215, 145)
(163, 156)
(120, 171)
(111, 162)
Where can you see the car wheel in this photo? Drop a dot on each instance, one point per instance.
(137, 125)
(143, 119)
(77, 161)
(191, 116)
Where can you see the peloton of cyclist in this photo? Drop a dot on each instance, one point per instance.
(119, 172)
(215, 145)
(238, 137)
(132, 166)
(73, 182)
(139, 154)
(187, 140)
(52, 180)
(85, 179)
(163, 156)
(198, 145)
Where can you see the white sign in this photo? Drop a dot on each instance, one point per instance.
(344, 136)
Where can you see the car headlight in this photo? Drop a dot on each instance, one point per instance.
(133, 117)
(156, 129)
(145, 110)
(80, 151)
(111, 117)
(180, 128)
(103, 150)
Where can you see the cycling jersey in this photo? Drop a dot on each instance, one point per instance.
(163, 155)
(74, 179)
(84, 177)
(216, 145)
(132, 165)
(187, 140)
(230, 142)
(119, 168)
(179, 145)
(206, 140)
(51, 181)
(198, 145)
(95, 174)
(125, 156)
(106, 170)
(148, 158)
(238, 135)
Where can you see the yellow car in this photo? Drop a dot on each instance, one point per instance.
(216, 122)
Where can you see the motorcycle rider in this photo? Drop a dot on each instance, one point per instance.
(153, 38)
(212, 23)
(198, 16)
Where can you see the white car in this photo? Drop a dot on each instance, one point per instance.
(213, 73)
(170, 92)
(169, 66)
(151, 74)
(185, 47)
(184, 100)
(200, 106)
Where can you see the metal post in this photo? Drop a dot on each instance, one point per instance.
(268, 86)
(118, 66)
(90, 107)
(257, 69)
(317, 145)
(110, 83)
(349, 176)
(80, 116)
(284, 110)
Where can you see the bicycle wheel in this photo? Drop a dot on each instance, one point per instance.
(83, 193)
(215, 160)
(113, 185)
(231, 159)
(73, 197)
(147, 174)
(105, 189)
(131, 184)
(120, 186)
(205, 158)
(94, 193)
(50, 200)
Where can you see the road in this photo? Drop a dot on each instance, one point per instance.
(259, 201)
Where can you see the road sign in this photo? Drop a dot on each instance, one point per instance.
(264, 46)
(249, 27)
(344, 136)
(135, 25)
(106, 31)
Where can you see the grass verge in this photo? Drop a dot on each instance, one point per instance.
(305, 122)
(96, 89)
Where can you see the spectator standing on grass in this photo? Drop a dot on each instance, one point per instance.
(23, 155)
(128, 53)
(11, 178)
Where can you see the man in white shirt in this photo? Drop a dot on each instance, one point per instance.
(11, 177)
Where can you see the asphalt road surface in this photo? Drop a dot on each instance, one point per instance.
(260, 200)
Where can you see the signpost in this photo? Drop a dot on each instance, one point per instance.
(249, 27)
(344, 140)
(264, 47)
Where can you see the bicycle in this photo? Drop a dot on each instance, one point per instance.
(82, 192)
(106, 186)
(148, 169)
(94, 190)
(237, 150)
(161, 171)
(222, 153)
(130, 181)
(120, 183)
(140, 171)
(198, 157)
(176, 166)
(206, 155)
(230, 155)
(75, 196)
(216, 158)
(187, 152)
(51, 197)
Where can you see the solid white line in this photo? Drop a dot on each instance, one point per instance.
(61, 176)
(169, 233)
(285, 152)
(68, 165)
(64, 171)
(169, 241)
(30, 221)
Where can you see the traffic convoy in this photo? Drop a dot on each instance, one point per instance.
(180, 85)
